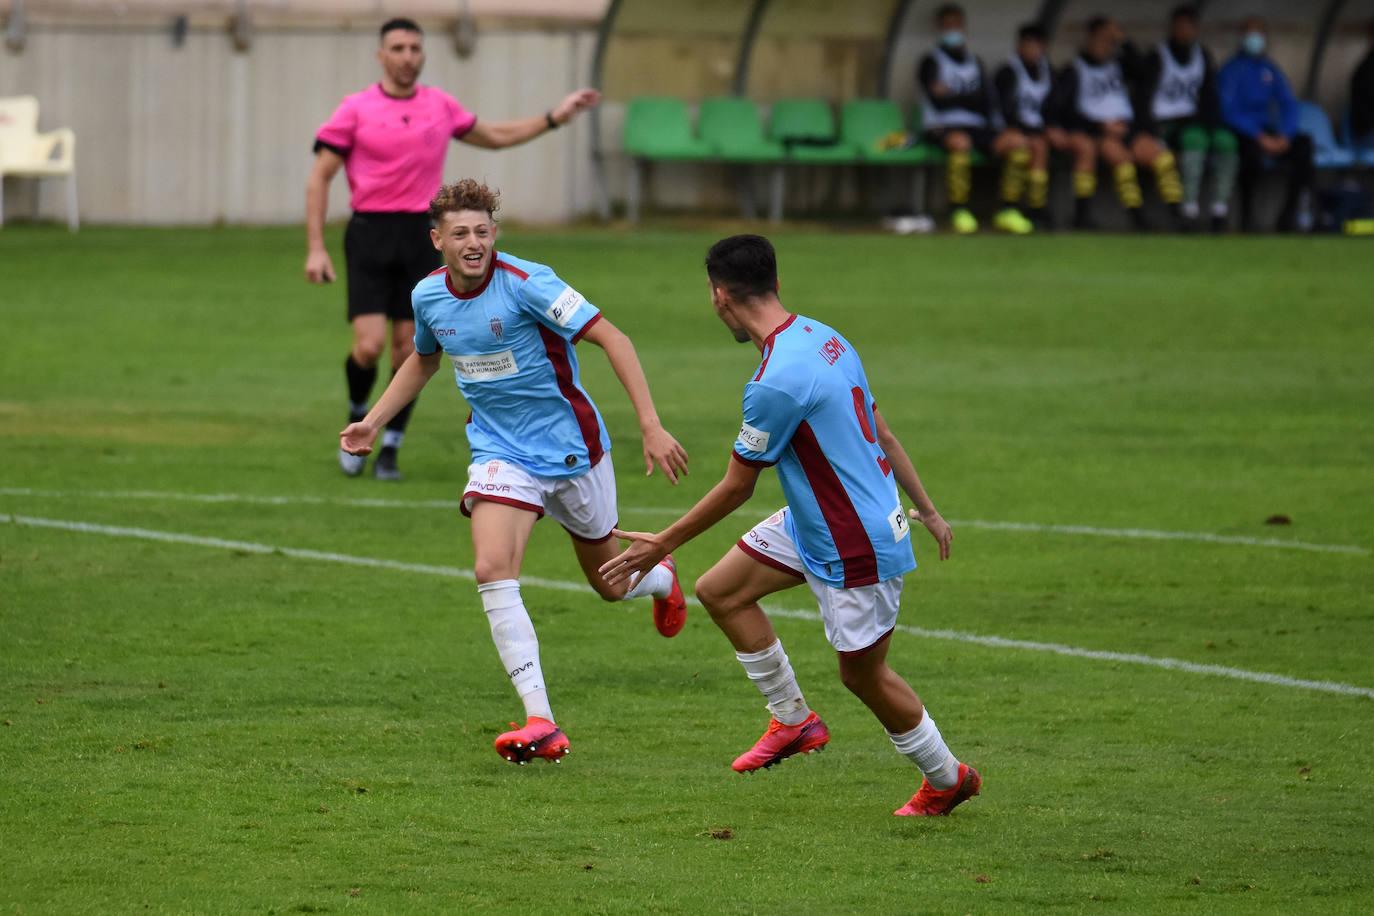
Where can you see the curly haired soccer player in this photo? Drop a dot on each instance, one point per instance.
(391, 139)
(509, 327)
(809, 411)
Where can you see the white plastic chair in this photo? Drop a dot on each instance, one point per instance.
(25, 153)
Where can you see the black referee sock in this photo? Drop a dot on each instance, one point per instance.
(360, 380)
(398, 422)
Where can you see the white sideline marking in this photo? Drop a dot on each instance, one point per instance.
(1162, 535)
(455, 572)
(378, 503)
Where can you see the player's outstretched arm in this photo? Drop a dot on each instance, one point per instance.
(500, 134)
(647, 549)
(357, 438)
(318, 267)
(659, 446)
(910, 482)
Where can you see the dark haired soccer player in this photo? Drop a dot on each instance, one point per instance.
(808, 410)
(538, 443)
(1091, 100)
(1023, 85)
(1176, 100)
(391, 140)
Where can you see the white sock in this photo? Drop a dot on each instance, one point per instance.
(392, 438)
(925, 748)
(357, 408)
(657, 582)
(1220, 208)
(516, 643)
(772, 674)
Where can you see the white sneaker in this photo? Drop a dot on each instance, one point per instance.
(352, 464)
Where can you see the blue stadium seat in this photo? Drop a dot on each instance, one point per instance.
(1326, 152)
(1364, 152)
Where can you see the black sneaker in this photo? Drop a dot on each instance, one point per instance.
(384, 468)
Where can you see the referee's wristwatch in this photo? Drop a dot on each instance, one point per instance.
(548, 119)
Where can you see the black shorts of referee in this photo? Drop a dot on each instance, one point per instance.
(386, 255)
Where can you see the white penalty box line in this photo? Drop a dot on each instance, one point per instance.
(454, 572)
(380, 503)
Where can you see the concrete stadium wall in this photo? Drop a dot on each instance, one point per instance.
(202, 133)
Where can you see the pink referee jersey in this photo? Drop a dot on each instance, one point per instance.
(394, 148)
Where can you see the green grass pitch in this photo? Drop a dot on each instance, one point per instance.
(244, 719)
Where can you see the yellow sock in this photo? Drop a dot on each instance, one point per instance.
(1166, 176)
(1084, 184)
(959, 174)
(1038, 192)
(1014, 174)
(1127, 185)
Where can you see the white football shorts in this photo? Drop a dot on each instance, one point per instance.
(856, 619)
(584, 505)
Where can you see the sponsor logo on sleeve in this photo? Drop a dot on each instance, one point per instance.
(900, 528)
(565, 306)
(753, 440)
(484, 366)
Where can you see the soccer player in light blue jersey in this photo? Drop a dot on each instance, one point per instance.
(809, 412)
(509, 326)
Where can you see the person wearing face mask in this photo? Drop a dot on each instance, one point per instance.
(1176, 100)
(1258, 104)
(1091, 100)
(958, 119)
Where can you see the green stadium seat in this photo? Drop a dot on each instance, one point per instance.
(864, 123)
(731, 125)
(806, 129)
(658, 128)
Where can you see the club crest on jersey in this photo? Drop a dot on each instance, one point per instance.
(497, 328)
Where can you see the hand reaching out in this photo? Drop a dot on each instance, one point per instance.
(662, 449)
(574, 104)
(938, 528)
(357, 438)
(642, 555)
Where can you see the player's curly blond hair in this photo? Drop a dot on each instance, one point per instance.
(466, 194)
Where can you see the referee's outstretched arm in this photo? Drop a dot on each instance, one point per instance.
(500, 134)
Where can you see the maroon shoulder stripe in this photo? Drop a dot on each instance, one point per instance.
(511, 268)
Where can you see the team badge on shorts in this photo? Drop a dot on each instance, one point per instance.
(492, 468)
(497, 329)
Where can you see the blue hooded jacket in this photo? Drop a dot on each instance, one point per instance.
(1249, 89)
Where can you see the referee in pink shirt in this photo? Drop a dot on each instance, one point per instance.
(391, 140)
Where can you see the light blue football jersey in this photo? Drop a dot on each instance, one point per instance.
(809, 411)
(511, 344)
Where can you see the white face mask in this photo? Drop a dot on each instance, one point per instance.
(1253, 43)
(952, 38)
